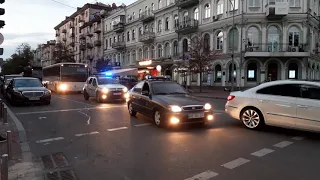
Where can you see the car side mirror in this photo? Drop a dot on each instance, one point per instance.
(145, 93)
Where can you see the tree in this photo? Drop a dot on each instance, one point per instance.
(61, 53)
(19, 61)
(200, 55)
(103, 65)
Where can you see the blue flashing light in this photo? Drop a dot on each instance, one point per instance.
(108, 74)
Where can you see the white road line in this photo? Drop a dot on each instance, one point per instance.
(116, 129)
(85, 134)
(262, 152)
(297, 138)
(65, 110)
(235, 163)
(283, 144)
(49, 140)
(144, 124)
(87, 104)
(204, 176)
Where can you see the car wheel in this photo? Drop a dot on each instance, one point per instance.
(85, 95)
(252, 118)
(158, 119)
(98, 98)
(131, 111)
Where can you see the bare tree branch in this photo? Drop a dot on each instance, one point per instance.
(62, 54)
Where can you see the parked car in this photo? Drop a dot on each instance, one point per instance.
(27, 89)
(286, 103)
(5, 78)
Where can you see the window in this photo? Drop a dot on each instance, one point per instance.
(167, 88)
(128, 36)
(220, 41)
(166, 50)
(140, 13)
(233, 39)
(140, 54)
(310, 92)
(206, 43)
(134, 58)
(254, 3)
(138, 87)
(159, 51)
(128, 57)
(294, 36)
(145, 87)
(159, 25)
(152, 52)
(167, 24)
(252, 72)
(176, 21)
(273, 39)
(106, 43)
(207, 11)
(133, 34)
(290, 90)
(175, 48)
(152, 28)
(159, 4)
(220, 7)
(133, 14)
(114, 39)
(140, 30)
(94, 82)
(235, 3)
(253, 36)
(294, 3)
(145, 53)
(293, 71)
(152, 7)
(167, 2)
(110, 41)
(218, 73)
(146, 28)
(196, 14)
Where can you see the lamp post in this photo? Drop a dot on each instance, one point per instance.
(232, 62)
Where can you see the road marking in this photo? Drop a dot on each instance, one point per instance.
(283, 144)
(297, 138)
(85, 134)
(262, 152)
(235, 163)
(87, 104)
(66, 110)
(144, 124)
(89, 118)
(204, 176)
(49, 140)
(116, 129)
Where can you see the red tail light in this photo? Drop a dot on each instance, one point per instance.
(230, 97)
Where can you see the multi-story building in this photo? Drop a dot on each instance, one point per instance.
(265, 40)
(43, 55)
(69, 31)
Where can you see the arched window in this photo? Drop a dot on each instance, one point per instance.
(133, 34)
(220, 7)
(128, 57)
(159, 4)
(133, 15)
(152, 7)
(234, 4)
(218, 73)
(167, 50)
(146, 28)
(234, 74)
(140, 31)
(152, 28)
(219, 41)
(119, 58)
(140, 13)
(273, 39)
(159, 25)
(185, 17)
(146, 53)
(175, 48)
(294, 36)
(252, 72)
(207, 10)
(123, 37)
(185, 45)
(293, 71)
(134, 57)
(128, 36)
(253, 37)
(159, 51)
(140, 54)
(233, 39)
(196, 14)
(152, 52)
(167, 2)
(146, 9)
(206, 42)
(176, 21)
(167, 24)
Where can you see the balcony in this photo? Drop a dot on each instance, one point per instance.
(186, 3)
(118, 45)
(187, 27)
(118, 28)
(89, 34)
(89, 46)
(276, 10)
(276, 50)
(97, 29)
(82, 47)
(82, 36)
(97, 43)
(147, 16)
(64, 31)
(147, 37)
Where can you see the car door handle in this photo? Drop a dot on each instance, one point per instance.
(264, 101)
(302, 106)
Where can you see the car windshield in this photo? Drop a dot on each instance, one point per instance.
(7, 81)
(161, 88)
(102, 81)
(27, 83)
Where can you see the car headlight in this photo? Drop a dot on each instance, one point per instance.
(63, 87)
(48, 92)
(175, 108)
(125, 89)
(207, 106)
(105, 90)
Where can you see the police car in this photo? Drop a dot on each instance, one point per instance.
(103, 87)
(167, 103)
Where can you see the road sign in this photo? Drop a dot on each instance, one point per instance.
(1, 38)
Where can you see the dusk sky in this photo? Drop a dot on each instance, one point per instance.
(32, 21)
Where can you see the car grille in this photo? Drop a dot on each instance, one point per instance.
(115, 89)
(192, 107)
(32, 93)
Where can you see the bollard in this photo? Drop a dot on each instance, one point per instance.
(4, 167)
(9, 144)
(5, 115)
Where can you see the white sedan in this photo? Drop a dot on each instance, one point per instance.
(286, 103)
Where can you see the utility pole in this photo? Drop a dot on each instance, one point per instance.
(232, 64)
(241, 54)
(308, 39)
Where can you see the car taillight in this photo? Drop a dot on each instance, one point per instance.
(230, 97)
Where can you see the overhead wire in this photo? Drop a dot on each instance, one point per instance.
(63, 4)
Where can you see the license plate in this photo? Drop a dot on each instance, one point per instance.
(116, 94)
(34, 98)
(195, 115)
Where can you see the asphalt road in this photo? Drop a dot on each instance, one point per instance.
(101, 141)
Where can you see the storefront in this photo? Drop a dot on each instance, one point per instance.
(154, 68)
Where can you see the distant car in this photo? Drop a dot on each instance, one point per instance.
(5, 78)
(26, 89)
(167, 103)
(104, 88)
(6, 85)
(287, 103)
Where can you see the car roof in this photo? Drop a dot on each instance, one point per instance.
(279, 82)
(25, 78)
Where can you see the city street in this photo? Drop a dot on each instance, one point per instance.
(101, 141)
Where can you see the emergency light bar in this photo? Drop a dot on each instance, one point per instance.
(157, 78)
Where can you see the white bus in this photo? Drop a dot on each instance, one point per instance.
(65, 77)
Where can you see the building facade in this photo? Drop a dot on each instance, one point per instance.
(43, 55)
(265, 40)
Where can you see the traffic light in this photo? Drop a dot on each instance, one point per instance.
(2, 12)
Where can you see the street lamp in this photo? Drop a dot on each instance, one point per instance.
(232, 62)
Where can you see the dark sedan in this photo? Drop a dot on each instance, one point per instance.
(26, 89)
(167, 103)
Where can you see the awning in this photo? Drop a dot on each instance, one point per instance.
(124, 72)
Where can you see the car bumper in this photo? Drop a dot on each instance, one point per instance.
(190, 117)
(113, 96)
(23, 99)
(232, 111)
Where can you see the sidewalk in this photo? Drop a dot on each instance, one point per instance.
(215, 94)
(21, 166)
